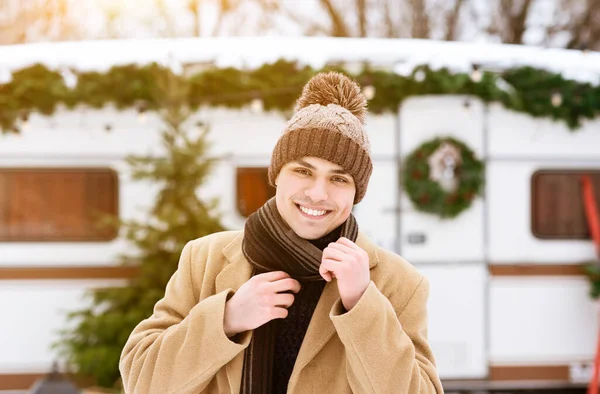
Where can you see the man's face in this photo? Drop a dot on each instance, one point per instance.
(314, 196)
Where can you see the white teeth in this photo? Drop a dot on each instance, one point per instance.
(312, 212)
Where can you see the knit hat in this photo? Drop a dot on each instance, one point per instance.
(328, 123)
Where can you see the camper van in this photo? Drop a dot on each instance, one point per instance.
(509, 301)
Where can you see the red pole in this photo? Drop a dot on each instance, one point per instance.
(591, 213)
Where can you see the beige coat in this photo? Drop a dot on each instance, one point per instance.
(380, 346)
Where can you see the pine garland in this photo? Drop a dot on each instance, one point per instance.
(525, 90)
(427, 195)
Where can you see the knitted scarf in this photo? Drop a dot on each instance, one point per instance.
(269, 244)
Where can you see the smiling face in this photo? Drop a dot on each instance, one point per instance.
(314, 196)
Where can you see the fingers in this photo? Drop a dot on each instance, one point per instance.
(273, 276)
(349, 247)
(329, 268)
(285, 285)
(346, 242)
(342, 247)
(279, 313)
(334, 253)
(325, 275)
(283, 300)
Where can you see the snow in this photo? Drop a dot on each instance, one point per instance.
(401, 55)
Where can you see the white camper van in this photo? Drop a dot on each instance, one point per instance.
(509, 301)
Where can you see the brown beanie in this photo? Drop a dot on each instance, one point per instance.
(328, 124)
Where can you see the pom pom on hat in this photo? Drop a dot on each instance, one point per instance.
(334, 88)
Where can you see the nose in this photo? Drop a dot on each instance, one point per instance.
(316, 191)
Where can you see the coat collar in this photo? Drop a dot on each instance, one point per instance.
(320, 329)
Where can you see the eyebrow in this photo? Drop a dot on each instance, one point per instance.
(339, 171)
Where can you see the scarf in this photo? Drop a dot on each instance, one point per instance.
(270, 244)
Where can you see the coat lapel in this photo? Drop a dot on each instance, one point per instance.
(321, 329)
(233, 276)
(238, 271)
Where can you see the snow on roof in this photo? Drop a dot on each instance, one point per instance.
(401, 55)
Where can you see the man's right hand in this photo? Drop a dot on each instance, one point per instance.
(259, 301)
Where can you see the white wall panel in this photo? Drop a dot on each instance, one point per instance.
(81, 133)
(376, 212)
(541, 320)
(517, 135)
(34, 312)
(457, 319)
(426, 117)
(460, 239)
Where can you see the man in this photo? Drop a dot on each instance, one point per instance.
(300, 301)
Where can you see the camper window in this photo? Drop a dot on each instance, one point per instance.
(57, 204)
(557, 210)
(252, 189)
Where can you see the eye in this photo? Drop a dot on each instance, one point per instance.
(302, 171)
(340, 179)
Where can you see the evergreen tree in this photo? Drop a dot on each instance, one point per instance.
(93, 345)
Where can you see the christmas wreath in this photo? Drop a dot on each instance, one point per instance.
(442, 176)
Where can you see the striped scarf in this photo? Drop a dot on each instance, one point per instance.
(271, 245)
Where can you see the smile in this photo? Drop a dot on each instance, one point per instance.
(312, 212)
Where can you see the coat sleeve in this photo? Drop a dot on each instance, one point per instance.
(388, 352)
(180, 348)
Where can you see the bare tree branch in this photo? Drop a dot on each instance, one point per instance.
(194, 7)
(452, 19)
(22, 22)
(390, 28)
(310, 27)
(169, 29)
(585, 30)
(361, 10)
(576, 20)
(508, 24)
(338, 26)
(226, 8)
(420, 19)
(518, 25)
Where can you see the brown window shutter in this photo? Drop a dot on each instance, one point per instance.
(557, 210)
(57, 204)
(253, 189)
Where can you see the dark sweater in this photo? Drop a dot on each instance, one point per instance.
(291, 330)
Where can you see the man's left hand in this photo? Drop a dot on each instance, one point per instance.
(349, 264)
